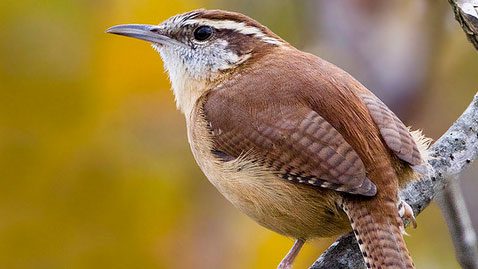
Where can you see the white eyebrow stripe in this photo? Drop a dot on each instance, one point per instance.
(236, 26)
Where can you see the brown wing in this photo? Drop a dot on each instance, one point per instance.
(292, 140)
(396, 135)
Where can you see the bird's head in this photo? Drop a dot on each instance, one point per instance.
(203, 46)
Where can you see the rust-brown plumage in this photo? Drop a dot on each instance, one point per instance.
(295, 142)
(314, 124)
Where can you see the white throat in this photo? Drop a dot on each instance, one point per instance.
(186, 88)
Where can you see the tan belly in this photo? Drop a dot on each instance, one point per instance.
(289, 209)
(294, 210)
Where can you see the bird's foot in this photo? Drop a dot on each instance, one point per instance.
(405, 212)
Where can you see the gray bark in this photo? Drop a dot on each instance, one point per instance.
(466, 13)
(459, 223)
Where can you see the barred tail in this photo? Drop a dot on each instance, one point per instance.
(379, 234)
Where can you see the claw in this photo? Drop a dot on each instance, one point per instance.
(405, 212)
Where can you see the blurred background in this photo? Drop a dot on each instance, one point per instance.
(95, 168)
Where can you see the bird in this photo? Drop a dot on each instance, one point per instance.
(291, 140)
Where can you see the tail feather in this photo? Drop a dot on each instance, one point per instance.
(379, 235)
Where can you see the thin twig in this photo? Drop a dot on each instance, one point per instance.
(459, 223)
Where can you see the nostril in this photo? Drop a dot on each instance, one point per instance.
(155, 30)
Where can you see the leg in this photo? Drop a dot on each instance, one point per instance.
(286, 263)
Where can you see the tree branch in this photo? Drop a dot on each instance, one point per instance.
(466, 13)
(449, 156)
(452, 203)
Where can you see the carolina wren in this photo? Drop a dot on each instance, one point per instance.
(293, 141)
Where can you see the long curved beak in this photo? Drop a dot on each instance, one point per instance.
(151, 33)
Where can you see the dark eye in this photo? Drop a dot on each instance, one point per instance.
(202, 33)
